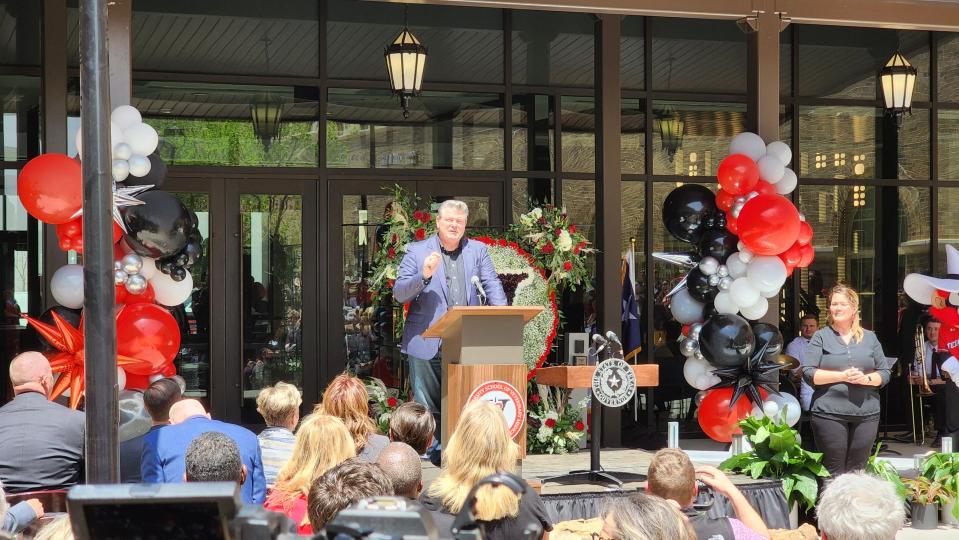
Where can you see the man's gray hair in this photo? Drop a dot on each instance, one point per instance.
(213, 457)
(455, 206)
(857, 506)
(402, 465)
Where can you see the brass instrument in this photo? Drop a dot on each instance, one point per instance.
(919, 437)
(924, 389)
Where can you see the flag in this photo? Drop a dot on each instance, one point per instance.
(630, 332)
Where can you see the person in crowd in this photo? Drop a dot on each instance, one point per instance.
(213, 457)
(645, 517)
(808, 324)
(932, 366)
(157, 400)
(18, 517)
(401, 463)
(322, 442)
(342, 486)
(453, 260)
(164, 449)
(347, 399)
(279, 405)
(845, 365)
(41, 442)
(858, 506)
(58, 529)
(480, 446)
(672, 476)
(413, 424)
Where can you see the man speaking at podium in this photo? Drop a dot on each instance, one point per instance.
(443, 271)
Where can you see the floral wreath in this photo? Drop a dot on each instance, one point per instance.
(556, 246)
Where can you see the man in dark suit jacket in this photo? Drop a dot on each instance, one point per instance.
(164, 450)
(41, 442)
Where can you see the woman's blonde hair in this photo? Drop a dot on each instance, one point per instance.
(642, 516)
(279, 404)
(479, 446)
(347, 399)
(322, 442)
(850, 293)
(58, 529)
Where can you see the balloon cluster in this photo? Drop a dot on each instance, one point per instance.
(156, 242)
(748, 239)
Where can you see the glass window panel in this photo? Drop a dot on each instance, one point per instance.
(786, 125)
(691, 55)
(691, 138)
(948, 225)
(445, 130)
(579, 199)
(533, 123)
(948, 68)
(20, 22)
(14, 214)
(632, 53)
(21, 115)
(579, 134)
(464, 44)
(915, 206)
(948, 145)
(248, 37)
(633, 239)
(552, 48)
(785, 62)
(193, 361)
(846, 143)
(844, 62)
(633, 141)
(527, 193)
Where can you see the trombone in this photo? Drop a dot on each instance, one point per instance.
(924, 389)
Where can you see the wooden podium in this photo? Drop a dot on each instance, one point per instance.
(481, 344)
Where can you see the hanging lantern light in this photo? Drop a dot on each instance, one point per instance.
(898, 80)
(266, 116)
(405, 62)
(671, 128)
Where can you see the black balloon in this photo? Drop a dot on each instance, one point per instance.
(726, 340)
(685, 211)
(158, 228)
(156, 177)
(71, 316)
(769, 336)
(718, 243)
(698, 286)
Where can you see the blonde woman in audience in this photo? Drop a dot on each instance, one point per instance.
(645, 517)
(481, 446)
(279, 406)
(58, 529)
(347, 399)
(322, 442)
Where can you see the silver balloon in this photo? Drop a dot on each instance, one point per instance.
(136, 284)
(132, 263)
(689, 347)
(752, 195)
(696, 328)
(737, 208)
(722, 271)
(708, 266)
(802, 217)
(725, 283)
(117, 265)
(700, 396)
(119, 277)
(713, 280)
(740, 200)
(699, 355)
(134, 418)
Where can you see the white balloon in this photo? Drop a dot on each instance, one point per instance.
(693, 368)
(116, 135)
(78, 140)
(788, 182)
(121, 169)
(755, 311)
(149, 267)
(749, 144)
(142, 138)
(757, 412)
(685, 308)
(770, 169)
(169, 292)
(736, 266)
(126, 116)
(708, 265)
(770, 408)
(66, 285)
(766, 273)
(743, 292)
(121, 379)
(155, 377)
(770, 294)
(781, 150)
(139, 166)
(723, 302)
(706, 380)
(744, 254)
(134, 418)
(122, 151)
(789, 409)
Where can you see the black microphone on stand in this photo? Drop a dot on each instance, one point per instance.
(480, 291)
(615, 343)
(599, 343)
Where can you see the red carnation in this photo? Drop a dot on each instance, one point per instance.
(572, 229)
(420, 234)
(559, 232)
(502, 242)
(580, 426)
(550, 423)
(534, 399)
(567, 266)
(548, 248)
(391, 402)
(391, 253)
(418, 215)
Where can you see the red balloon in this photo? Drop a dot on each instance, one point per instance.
(146, 297)
(720, 421)
(768, 224)
(732, 224)
(764, 188)
(121, 295)
(51, 188)
(738, 174)
(805, 233)
(150, 333)
(724, 200)
(169, 371)
(792, 256)
(71, 235)
(808, 253)
(137, 382)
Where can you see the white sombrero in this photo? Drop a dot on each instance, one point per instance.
(921, 288)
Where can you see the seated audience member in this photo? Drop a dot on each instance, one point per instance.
(322, 442)
(279, 406)
(18, 517)
(857, 506)
(342, 486)
(402, 465)
(480, 446)
(41, 442)
(58, 529)
(412, 423)
(157, 400)
(164, 449)
(645, 517)
(347, 399)
(213, 457)
(672, 477)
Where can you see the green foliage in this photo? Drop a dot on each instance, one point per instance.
(944, 469)
(922, 490)
(776, 453)
(881, 468)
(554, 424)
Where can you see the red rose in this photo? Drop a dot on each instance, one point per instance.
(559, 232)
(572, 229)
(548, 248)
(391, 253)
(534, 399)
(580, 426)
(502, 242)
(542, 221)
(391, 402)
(550, 423)
(394, 238)
(420, 234)
(567, 266)
(426, 217)
(578, 247)
(418, 215)
(390, 282)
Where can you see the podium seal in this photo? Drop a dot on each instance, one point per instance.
(505, 396)
(614, 382)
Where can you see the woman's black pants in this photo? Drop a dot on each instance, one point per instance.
(845, 444)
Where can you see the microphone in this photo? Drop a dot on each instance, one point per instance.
(480, 291)
(599, 343)
(612, 337)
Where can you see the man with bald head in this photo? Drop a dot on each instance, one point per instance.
(402, 465)
(41, 442)
(164, 450)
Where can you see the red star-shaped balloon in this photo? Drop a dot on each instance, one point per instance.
(68, 361)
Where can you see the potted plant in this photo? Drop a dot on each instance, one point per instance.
(944, 468)
(925, 496)
(776, 453)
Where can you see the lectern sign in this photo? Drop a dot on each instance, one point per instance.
(614, 382)
(507, 398)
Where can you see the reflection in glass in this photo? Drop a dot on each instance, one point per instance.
(948, 225)
(193, 361)
(632, 49)
(633, 141)
(272, 298)
(633, 238)
(579, 199)
(528, 193)
(914, 230)
(532, 132)
(20, 136)
(785, 62)
(552, 48)
(691, 55)
(948, 76)
(579, 134)
(948, 145)
(706, 130)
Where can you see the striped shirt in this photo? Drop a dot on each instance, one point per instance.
(276, 445)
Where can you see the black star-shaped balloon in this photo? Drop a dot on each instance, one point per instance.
(748, 379)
